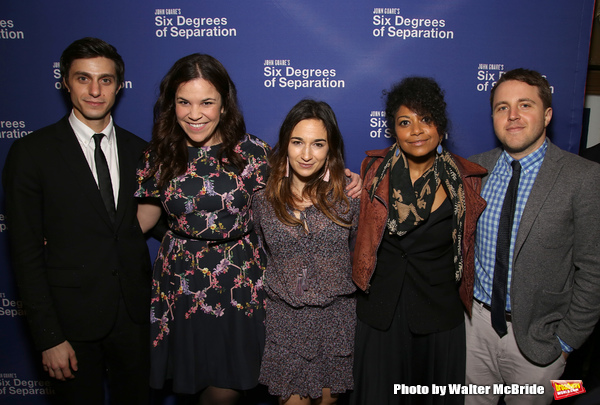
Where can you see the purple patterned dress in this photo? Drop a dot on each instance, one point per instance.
(207, 309)
(310, 303)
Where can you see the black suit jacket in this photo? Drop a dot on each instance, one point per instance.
(72, 264)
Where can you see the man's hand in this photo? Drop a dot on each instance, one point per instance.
(59, 360)
(355, 186)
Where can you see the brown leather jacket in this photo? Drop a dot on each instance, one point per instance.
(373, 216)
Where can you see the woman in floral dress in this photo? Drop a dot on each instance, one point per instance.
(306, 221)
(207, 310)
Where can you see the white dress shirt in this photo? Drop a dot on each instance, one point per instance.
(108, 144)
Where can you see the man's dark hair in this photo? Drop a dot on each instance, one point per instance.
(86, 48)
(530, 77)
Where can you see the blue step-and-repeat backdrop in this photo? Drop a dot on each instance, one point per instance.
(278, 52)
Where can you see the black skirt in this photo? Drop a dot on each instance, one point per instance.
(383, 359)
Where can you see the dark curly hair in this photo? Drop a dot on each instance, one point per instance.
(422, 95)
(168, 146)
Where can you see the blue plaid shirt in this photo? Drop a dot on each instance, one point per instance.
(487, 227)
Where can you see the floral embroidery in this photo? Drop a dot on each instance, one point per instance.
(209, 262)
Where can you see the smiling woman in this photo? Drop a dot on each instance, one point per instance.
(307, 150)
(417, 136)
(413, 261)
(198, 109)
(202, 167)
(305, 222)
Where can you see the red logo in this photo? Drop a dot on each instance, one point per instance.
(567, 388)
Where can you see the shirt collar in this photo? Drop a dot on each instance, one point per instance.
(85, 133)
(530, 161)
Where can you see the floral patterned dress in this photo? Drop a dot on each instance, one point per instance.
(207, 308)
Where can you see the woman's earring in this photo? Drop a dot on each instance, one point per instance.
(326, 175)
(439, 149)
(287, 167)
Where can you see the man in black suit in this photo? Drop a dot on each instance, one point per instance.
(80, 258)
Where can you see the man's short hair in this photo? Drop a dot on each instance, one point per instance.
(86, 48)
(532, 78)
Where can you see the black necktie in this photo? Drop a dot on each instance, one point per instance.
(104, 183)
(502, 252)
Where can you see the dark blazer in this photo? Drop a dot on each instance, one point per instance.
(555, 287)
(72, 264)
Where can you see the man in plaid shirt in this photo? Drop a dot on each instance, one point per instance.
(551, 288)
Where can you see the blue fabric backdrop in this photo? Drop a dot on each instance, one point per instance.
(277, 52)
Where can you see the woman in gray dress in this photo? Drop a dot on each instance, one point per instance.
(305, 221)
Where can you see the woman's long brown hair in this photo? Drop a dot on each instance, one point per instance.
(325, 196)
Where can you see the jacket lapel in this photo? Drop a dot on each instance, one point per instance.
(127, 167)
(79, 169)
(544, 182)
(489, 162)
